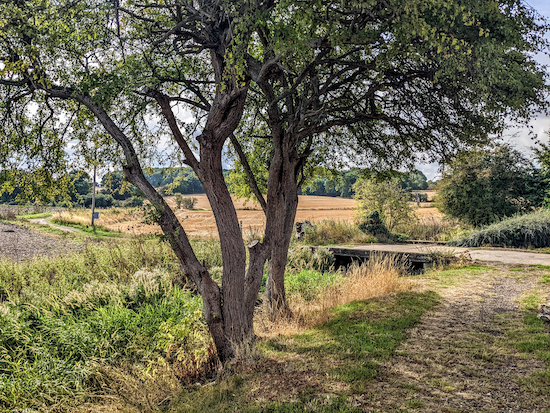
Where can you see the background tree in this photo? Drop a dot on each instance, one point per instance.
(387, 197)
(322, 83)
(485, 185)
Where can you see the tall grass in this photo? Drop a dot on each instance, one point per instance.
(312, 304)
(105, 323)
(431, 228)
(530, 230)
(329, 232)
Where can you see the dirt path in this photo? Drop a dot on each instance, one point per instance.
(456, 359)
(44, 221)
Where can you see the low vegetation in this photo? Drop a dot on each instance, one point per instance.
(329, 232)
(523, 231)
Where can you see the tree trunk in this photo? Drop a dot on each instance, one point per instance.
(281, 211)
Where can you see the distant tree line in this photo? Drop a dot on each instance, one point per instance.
(342, 183)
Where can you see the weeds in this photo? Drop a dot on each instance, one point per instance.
(99, 323)
(334, 232)
(530, 230)
(311, 303)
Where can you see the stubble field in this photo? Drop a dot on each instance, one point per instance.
(200, 223)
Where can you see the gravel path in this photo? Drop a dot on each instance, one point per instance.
(20, 243)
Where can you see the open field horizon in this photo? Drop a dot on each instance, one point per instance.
(199, 222)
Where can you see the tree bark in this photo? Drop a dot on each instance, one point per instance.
(281, 211)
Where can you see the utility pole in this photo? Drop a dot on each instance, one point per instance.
(93, 196)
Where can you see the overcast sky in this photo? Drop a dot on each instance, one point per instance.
(518, 137)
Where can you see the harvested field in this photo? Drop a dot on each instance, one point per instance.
(200, 222)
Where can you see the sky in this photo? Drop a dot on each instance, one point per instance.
(518, 137)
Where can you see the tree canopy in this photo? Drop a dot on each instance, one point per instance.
(292, 85)
(485, 185)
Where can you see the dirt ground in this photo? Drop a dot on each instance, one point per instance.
(20, 243)
(455, 360)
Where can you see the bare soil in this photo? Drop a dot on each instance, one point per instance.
(20, 243)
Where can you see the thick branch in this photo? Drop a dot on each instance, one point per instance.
(164, 103)
(250, 179)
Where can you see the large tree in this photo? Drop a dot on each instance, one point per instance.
(293, 82)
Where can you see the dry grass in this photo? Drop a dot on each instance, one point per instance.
(108, 217)
(381, 275)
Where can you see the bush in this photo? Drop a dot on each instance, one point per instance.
(483, 186)
(334, 232)
(387, 198)
(531, 230)
(184, 202)
(101, 201)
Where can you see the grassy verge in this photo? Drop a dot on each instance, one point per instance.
(35, 216)
(321, 369)
(106, 323)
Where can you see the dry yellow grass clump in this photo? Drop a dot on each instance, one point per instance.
(110, 216)
(379, 276)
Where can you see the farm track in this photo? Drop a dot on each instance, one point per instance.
(456, 359)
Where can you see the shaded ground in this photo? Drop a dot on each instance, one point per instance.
(20, 243)
(461, 357)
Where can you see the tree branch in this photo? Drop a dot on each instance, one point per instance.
(250, 179)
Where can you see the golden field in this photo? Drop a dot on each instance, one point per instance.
(199, 222)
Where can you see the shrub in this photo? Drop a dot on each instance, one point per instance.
(483, 186)
(387, 198)
(530, 230)
(334, 232)
(185, 202)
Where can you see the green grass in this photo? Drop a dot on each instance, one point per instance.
(96, 230)
(70, 324)
(455, 276)
(360, 339)
(349, 348)
(35, 216)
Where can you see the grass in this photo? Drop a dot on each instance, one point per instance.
(330, 232)
(431, 228)
(35, 215)
(524, 231)
(105, 322)
(348, 349)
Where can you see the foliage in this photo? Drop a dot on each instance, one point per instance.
(333, 184)
(306, 258)
(483, 186)
(328, 232)
(388, 198)
(523, 231)
(68, 323)
(413, 181)
(373, 225)
(308, 284)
